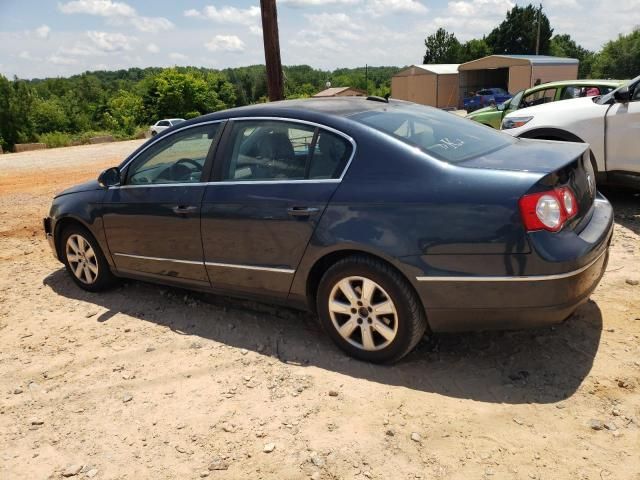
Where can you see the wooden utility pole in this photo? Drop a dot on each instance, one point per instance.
(538, 33)
(275, 84)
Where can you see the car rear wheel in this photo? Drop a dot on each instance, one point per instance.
(370, 310)
(84, 260)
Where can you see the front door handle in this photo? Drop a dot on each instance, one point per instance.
(184, 209)
(302, 211)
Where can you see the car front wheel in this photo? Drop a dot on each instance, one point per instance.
(370, 310)
(84, 260)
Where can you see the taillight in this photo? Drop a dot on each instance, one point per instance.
(548, 210)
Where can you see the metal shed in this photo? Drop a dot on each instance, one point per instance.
(513, 72)
(435, 85)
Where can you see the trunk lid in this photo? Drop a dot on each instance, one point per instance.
(559, 163)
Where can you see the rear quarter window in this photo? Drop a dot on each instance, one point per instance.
(443, 135)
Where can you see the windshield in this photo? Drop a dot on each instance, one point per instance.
(515, 101)
(444, 135)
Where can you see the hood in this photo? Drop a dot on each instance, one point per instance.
(576, 105)
(524, 155)
(82, 187)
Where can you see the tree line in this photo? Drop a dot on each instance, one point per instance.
(517, 34)
(63, 111)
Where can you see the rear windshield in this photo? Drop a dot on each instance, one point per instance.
(444, 135)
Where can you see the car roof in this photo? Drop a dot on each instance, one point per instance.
(582, 82)
(333, 106)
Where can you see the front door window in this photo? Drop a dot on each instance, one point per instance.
(179, 158)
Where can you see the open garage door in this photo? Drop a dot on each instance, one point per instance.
(473, 80)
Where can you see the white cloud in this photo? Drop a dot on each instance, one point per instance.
(226, 14)
(371, 7)
(60, 60)
(153, 48)
(104, 8)
(43, 31)
(225, 43)
(25, 55)
(255, 30)
(383, 7)
(110, 42)
(317, 3)
(117, 13)
(151, 24)
(177, 56)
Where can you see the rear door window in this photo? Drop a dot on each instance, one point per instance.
(273, 150)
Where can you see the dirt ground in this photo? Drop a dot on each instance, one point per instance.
(154, 382)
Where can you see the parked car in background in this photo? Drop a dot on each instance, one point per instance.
(608, 123)
(162, 125)
(387, 219)
(486, 97)
(547, 92)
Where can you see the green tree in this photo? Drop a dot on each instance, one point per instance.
(441, 47)
(518, 31)
(49, 116)
(126, 111)
(619, 58)
(16, 99)
(174, 94)
(565, 46)
(473, 49)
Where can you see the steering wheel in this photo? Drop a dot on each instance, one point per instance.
(190, 161)
(179, 171)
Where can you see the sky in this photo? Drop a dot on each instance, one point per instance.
(51, 38)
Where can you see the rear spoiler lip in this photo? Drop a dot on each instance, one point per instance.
(540, 157)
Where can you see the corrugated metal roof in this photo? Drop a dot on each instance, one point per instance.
(440, 68)
(542, 59)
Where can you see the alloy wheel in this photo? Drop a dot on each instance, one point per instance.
(363, 313)
(82, 259)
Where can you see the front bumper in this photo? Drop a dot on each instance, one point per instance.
(471, 303)
(48, 232)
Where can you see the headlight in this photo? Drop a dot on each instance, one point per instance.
(515, 122)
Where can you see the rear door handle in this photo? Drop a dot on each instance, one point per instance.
(184, 209)
(302, 211)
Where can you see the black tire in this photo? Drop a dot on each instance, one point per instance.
(104, 278)
(153, 133)
(408, 319)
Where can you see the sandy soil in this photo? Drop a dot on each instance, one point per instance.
(153, 382)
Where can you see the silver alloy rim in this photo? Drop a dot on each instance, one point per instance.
(363, 313)
(82, 259)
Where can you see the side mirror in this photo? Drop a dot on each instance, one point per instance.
(622, 95)
(110, 177)
(503, 106)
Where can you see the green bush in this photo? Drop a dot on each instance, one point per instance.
(190, 115)
(55, 139)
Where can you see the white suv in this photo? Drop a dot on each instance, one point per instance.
(162, 125)
(610, 124)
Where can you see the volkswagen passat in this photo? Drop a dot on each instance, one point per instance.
(387, 219)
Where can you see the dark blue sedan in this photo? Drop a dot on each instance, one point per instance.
(387, 219)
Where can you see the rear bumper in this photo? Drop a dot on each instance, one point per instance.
(470, 303)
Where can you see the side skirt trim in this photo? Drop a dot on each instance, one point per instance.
(209, 264)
